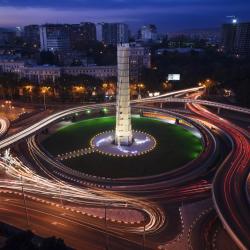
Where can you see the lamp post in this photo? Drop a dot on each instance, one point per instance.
(29, 89)
(24, 201)
(141, 85)
(106, 227)
(144, 236)
(44, 91)
(44, 100)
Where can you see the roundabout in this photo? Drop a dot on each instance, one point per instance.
(171, 146)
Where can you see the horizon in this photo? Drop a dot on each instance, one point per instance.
(168, 15)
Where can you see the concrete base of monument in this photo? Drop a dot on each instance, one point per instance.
(104, 143)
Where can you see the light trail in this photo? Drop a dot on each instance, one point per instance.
(230, 180)
(37, 185)
(4, 125)
(55, 117)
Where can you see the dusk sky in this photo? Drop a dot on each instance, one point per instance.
(168, 15)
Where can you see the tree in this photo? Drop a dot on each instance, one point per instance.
(53, 243)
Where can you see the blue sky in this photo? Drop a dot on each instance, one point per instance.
(168, 15)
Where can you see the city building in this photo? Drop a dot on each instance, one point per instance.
(11, 66)
(228, 37)
(148, 33)
(101, 72)
(113, 33)
(31, 35)
(236, 38)
(99, 36)
(7, 36)
(40, 74)
(54, 38)
(82, 33)
(242, 39)
(179, 50)
(140, 57)
(212, 36)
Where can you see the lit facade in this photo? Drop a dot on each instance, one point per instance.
(54, 38)
(123, 131)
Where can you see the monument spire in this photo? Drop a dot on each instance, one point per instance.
(123, 131)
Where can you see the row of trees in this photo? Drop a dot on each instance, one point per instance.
(66, 88)
(232, 73)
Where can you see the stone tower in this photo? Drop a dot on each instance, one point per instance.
(123, 131)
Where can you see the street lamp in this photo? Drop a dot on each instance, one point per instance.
(29, 89)
(44, 91)
(141, 85)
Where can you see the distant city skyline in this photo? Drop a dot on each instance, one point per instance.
(168, 15)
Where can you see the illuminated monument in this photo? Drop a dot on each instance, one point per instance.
(123, 130)
(123, 142)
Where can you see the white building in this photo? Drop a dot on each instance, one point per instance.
(101, 72)
(11, 66)
(41, 74)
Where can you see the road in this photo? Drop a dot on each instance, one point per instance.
(227, 187)
(48, 221)
(4, 125)
(230, 180)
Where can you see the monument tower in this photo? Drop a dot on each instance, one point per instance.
(123, 131)
(123, 142)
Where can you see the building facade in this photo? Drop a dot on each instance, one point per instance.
(7, 37)
(41, 74)
(140, 57)
(101, 72)
(84, 32)
(11, 66)
(54, 38)
(148, 33)
(242, 40)
(236, 38)
(113, 33)
(31, 34)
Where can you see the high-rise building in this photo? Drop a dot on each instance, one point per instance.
(228, 37)
(140, 58)
(7, 37)
(54, 38)
(113, 33)
(236, 38)
(82, 33)
(32, 34)
(242, 40)
(148, 33)
(99, 35)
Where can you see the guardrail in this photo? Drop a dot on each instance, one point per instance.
(205, 103)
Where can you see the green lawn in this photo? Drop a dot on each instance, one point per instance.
(175, 147)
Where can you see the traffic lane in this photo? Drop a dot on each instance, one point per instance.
(230, 180)
(46, 224)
